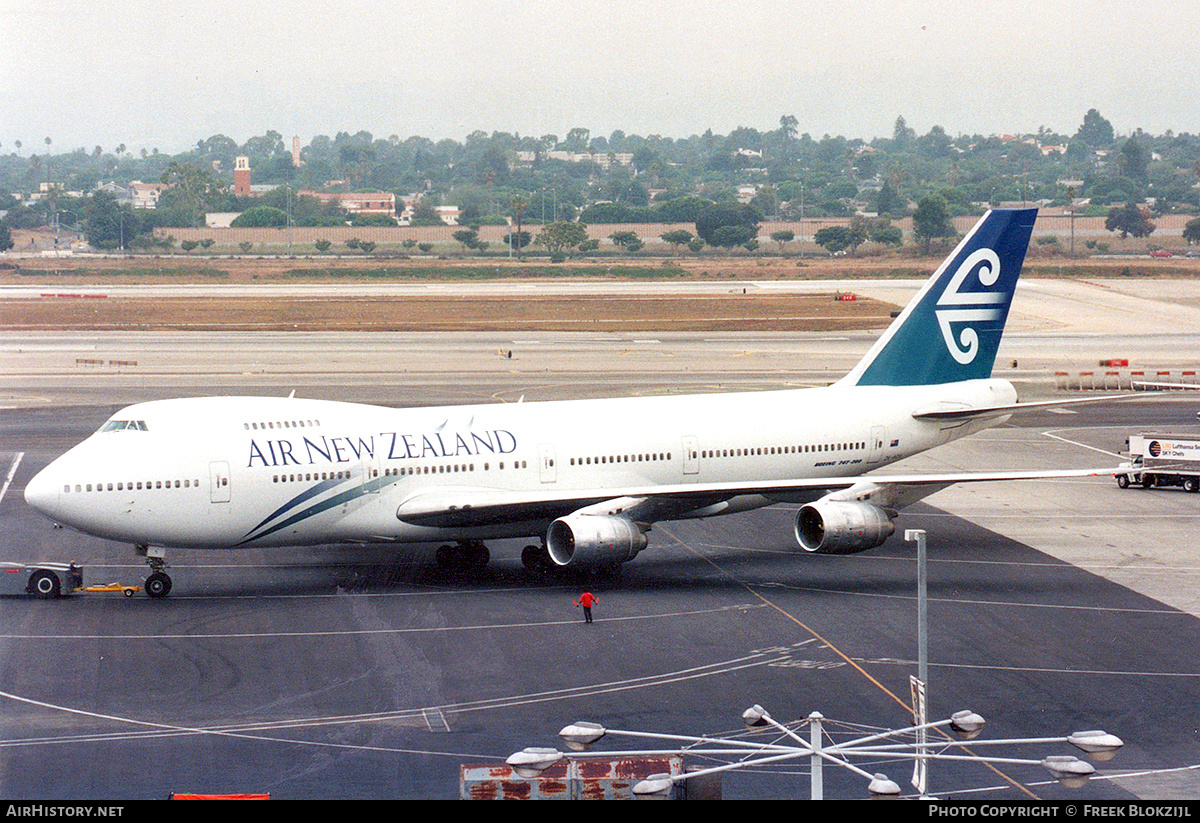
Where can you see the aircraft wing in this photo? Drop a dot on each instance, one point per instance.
(451, 506)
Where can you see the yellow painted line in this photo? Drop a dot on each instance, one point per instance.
(1014, 783)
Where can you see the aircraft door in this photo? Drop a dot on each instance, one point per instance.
(878, 440)
(218, 481)
(691, 455)
(547, 468)
(370, 474)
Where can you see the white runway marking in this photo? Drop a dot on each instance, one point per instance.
(1070, 442)
(963, 601)
(254, 731)
(361, 632)
(11, 473)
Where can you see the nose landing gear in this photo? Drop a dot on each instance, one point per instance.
(158, 583)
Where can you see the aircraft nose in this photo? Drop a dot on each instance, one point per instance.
(41, 493)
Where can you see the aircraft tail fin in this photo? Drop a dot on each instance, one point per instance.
(951, 330)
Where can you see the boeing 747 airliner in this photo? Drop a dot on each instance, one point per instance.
(587, 477)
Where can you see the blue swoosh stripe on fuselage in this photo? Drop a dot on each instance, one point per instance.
(325, 505)
(307, 494)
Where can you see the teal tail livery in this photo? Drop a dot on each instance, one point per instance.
(584, 481)
(950, 332)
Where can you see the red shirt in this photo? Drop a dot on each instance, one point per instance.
(586, 600)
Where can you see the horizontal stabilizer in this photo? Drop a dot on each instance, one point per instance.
(950, 412)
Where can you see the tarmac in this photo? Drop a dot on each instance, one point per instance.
(367, 672)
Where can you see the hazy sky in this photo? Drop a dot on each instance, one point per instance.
(158, 74)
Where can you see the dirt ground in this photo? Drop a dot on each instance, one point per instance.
(749, 312)
(58, 309)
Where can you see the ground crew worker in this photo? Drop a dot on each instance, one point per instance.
(587, 600)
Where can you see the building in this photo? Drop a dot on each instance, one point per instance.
(371, 202)
(602, 159)
(145, 195)
(241, 177)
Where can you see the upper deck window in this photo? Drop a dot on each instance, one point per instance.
(124, 425)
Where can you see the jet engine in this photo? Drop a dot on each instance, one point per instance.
(842, 527)
(579, 540)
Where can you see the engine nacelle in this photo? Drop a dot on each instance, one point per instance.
(842, 527)
(593, 539)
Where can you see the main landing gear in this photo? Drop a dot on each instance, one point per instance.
(536, 559)
(158, 582)
(469, 555)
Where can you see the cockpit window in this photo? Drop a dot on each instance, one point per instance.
(124, 425)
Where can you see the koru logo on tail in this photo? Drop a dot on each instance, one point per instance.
(970, 307)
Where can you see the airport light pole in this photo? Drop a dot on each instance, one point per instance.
(920, 688)
(787, 744)
(918, 536)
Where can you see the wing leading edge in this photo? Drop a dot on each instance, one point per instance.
(459, 507)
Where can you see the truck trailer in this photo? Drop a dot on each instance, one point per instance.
(1157, 460)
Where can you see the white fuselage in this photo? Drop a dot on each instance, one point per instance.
(252, 471)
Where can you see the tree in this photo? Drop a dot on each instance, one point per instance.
(258, 217)
(881, 231)
(6, 241)
(859, 229)
(517, 239)
(577, 139)
(627, 240)
(188, 245)
(931, 220)
(366, 246)
(1191, 232)
(1134, 159)
(902, 135)
(191, 189)
(888, 201)
(1129, 219)
(728, 215)
(833, 238)
(108, 225)
(677, 238)
(561, 237)
(766, 200)
(727, 237)
(425, 213)
(1095, 131)
(469, 214)
(468, 237)
(783, 236)
(322, 245)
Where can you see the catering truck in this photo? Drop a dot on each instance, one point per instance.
(1162, 460)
